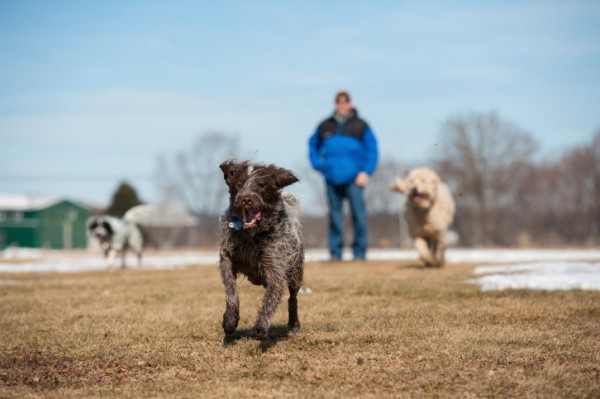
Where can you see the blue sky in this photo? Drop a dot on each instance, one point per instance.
(92, 92)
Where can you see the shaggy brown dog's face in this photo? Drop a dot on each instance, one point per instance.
(254, 189)
(421, 187)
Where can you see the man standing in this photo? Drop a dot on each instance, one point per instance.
(344, 149)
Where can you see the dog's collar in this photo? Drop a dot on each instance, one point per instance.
(236, 224)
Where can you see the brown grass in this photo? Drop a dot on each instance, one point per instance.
(374, 329)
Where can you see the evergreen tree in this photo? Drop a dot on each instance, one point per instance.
(124, 198)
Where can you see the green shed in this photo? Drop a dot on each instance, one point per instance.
(42, 222)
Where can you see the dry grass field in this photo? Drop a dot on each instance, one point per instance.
(370, 330)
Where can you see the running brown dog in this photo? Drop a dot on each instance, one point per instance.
(261, 239)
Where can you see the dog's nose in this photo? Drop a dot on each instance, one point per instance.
(246, 201)
(415, 191)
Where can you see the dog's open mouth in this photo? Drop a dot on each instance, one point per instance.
(418, 198)
(251, 216)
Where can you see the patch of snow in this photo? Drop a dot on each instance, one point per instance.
(54, 262)
(513, 268)
(540, 276)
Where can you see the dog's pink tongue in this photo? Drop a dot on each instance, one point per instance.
(256, 216)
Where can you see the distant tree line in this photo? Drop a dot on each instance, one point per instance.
(505, 195)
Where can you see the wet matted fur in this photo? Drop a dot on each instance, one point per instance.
(429, 212)
(261, 239)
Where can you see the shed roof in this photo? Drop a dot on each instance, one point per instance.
(161, 215)
(26, 202)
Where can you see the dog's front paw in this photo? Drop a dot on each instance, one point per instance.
(230, 323)
(228, 328)
(294, 327)
(259, 333)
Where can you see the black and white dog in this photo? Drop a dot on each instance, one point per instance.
(115, 237)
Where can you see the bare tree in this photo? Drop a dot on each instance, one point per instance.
(541, 194)
(386, 222)
(580, 188)
(378, 197)
(483, 156)
(193, 177)
(559, 200)
(197, 179)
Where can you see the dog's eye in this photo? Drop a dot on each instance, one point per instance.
(238, 185)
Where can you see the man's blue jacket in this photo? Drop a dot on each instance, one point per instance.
(341, 150)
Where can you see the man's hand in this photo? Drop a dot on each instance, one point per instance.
(361, 179)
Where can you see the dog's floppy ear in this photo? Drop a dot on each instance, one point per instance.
(227, 166)
(398, 186)
(283, 177)
(108, 227)
(229, 169)
(92, 223)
